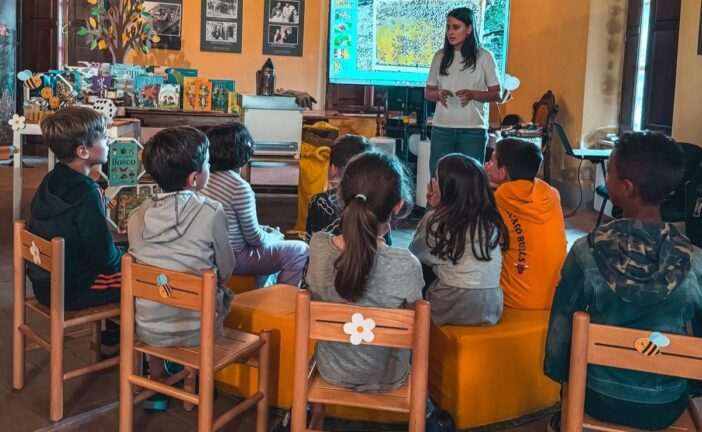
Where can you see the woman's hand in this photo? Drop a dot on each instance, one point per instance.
(466, 96)
(433, 194)
(442, 96)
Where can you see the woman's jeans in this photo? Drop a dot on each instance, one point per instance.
(470, 142)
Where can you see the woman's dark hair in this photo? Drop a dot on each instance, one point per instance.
(467, 207)
(172, 154)
(373, 183)
(231, 146)
(471, 46)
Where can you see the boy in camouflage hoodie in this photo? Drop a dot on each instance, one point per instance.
(637, 272)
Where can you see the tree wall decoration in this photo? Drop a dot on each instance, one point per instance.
(120, 26)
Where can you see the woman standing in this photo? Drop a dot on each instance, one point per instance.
(463, 80)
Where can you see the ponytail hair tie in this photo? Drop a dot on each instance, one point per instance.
(361, 197)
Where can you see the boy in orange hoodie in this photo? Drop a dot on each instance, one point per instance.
(532, 212)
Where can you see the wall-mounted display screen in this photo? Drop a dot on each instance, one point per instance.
(392, 42)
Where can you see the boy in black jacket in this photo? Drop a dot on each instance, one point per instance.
(70, 204)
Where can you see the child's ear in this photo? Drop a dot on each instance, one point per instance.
(191, 181)
(630, 189)
(397, 207)
(82, 152)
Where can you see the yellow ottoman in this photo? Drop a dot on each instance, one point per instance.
(240, 284)
(274, 308)
(484, 375)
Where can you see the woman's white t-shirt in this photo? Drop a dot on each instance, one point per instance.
(474, 114)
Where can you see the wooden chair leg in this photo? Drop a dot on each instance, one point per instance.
(126, 393)
(263, 382)
(19, 347)
(56, 373)
(206, 406)
(189, 385)
(95, 341)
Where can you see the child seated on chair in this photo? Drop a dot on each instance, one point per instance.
(637, 272)
(462, 239)
(531, 209)
(179, 230)
(69, 204)
(357, 267)
(325, 209)
(259, 250)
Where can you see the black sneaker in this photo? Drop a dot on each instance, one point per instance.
(554, 423)
(109, 342)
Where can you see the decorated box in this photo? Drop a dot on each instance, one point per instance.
(169, 97)
(146, 89)
(220, 94)
(197, 94)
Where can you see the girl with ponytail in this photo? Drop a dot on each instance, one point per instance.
(357, 267)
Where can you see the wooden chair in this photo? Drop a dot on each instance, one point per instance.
(49, 255)
(194, 293)
(545, 111)
(397, 328)
(614, 346)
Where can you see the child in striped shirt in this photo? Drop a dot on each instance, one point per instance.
(259, 250)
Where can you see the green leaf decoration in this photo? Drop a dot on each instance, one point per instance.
(146, 28)
(93, 44)
(95, 12)
(82, 31)
(146, 14)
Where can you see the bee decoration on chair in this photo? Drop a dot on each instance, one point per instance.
(164, 288)
(652, 344)
(29, 80)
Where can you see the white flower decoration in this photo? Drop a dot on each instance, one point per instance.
(36, 256)
(17, 122)
(360, 329)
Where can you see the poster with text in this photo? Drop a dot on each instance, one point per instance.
(167, 21)
(283, 27)
(220, 27)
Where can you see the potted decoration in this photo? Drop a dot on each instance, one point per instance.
(120, 26)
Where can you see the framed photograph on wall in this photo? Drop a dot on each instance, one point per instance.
(220, 27)
(167, 21)
(283, 27)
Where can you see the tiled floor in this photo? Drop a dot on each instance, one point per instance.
(91, 402)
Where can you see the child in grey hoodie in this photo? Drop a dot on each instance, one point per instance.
(179, 230)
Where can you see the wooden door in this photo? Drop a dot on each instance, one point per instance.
(77, 50)
(661, 66)
(39, 48)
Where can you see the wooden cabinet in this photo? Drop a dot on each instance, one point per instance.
(355, 98)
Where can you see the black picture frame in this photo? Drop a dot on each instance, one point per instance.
(221, 26)
(167, 21)
(283, 27)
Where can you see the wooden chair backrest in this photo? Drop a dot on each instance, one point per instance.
(35, 249)
(615, 347)
(183, 290)
(545, 110)
(393, 328)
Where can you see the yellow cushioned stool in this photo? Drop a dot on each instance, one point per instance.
(484, 375)
(240, 284)
(274, 308)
